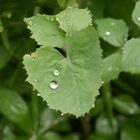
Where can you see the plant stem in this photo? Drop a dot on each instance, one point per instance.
(108, 102)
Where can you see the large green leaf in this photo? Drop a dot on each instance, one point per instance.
(73, 19)
(14, 108)
(70, 83)
(45, 31)
(136, 14)
(113, 31)
(131, 56)
(126, 104)
(111, 66)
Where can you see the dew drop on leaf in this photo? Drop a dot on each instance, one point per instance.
(35, 80)
(56, 72)
(53, 85)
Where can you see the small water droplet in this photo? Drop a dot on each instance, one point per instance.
(38, 94)
(30, 23)
(107, 33)
(138, 18)
(56, 72)
(62, 114)
(35, 80)
(79, 109)
(109, 69)
(93, 105)
(53, 85)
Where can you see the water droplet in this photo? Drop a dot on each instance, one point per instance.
(38, 94)
(53, 85)
(138, 18)
(62, 114)
(79, 109)
(109, 69)
(56, 72)
(107, 33)
(35, 80)
(93, 105)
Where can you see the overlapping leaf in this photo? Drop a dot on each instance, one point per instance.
(45, 31)
(74, 19)
(136, 14)
(113, 31)
(111, 66)
(131, 56)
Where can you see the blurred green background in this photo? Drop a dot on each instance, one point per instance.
(23, 113)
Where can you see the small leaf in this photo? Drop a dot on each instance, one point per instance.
(136, 14)
(45, 31)
(76, 87)
(113, 31)
(130, 132)
(104, 130)
(131, 56)
(73, 19)
(111, 67)
(14, 108)
(126, 104)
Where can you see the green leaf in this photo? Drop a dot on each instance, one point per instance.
(49, 118)
(8, 134)
(130, 133)
(73, 19)
(131, 59)
(70, 83)
(136, 14)
(126, 104)
(113, 31)
(45, 31)
(104, 130)
(64, 3)
(14, 108)
(111, 67)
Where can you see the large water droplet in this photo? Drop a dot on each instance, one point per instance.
(56, 72)
(107, 33)
(53, 85)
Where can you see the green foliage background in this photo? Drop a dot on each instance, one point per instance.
(116, 115)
